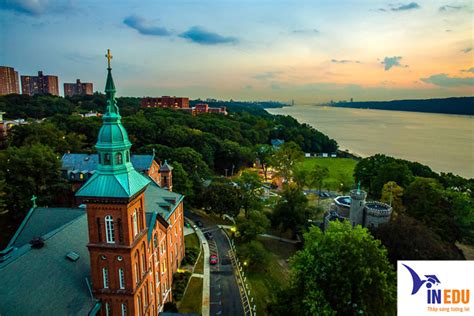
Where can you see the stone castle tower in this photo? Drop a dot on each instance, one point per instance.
(114, 197)
(356, 212)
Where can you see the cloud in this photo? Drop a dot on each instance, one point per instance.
(33, 7)
(266, 75)
(201, 36)
(305, 32)
(405, 7)
(394, 61)
(468, 70)
(445, 81)
(344, 61)
(466, 50)
(450, 8)
(143, 27)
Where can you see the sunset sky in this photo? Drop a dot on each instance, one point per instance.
(309, 51)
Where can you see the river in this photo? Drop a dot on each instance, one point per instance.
(442, 141)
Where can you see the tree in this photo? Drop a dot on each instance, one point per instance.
(253, 254)
(249, 228)
(392, 194)
(408, 239)
(317, 175)
(3, 195)
(264, 153)
(291, 211)
(182, 183)
(301, 176)
(221, 197)
(250, 188)
(345, 183)
(425, 201)
(392, 171)
(285, 159)
(34, 169)
(344, 271)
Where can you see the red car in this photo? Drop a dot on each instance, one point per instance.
(213, 259)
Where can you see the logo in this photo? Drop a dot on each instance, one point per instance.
(417, 282)
(425, 287)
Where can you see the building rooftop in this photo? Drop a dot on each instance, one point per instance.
(343, 200)
(85, 162)
(42, 220)
(50, 283)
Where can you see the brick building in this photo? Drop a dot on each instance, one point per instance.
(8, 81)
(78, 88)
(165, 102)
(114, 255)
(40, 84)
(180, 104)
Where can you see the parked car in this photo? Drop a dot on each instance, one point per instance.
(199, 224)
(208, 235)
(213, 259)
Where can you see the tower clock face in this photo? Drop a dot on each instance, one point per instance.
(119, 258)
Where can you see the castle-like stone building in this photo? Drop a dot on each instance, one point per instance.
(358, 211)
(115, 255)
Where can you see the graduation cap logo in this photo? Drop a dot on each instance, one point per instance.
(430, 280)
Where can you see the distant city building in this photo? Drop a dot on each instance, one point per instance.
(180, 104)
(165, 102)
(78, 88)
(40, 84)
(8, 81)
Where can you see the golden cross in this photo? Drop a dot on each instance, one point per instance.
(109, 56)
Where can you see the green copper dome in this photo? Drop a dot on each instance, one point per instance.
(115, 175)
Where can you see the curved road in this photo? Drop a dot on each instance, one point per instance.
(225, 295)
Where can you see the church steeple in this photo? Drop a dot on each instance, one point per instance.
(115, 175)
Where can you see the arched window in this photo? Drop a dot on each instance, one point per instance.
(109, 229)
(135, 223)
(139, 304)
(107, 309)
(121, 279)
(118, 158)
(155, 241)
(128, 156)
(124, 309)
(107, 159)
(105, 277)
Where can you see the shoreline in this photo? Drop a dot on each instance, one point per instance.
(405, 135)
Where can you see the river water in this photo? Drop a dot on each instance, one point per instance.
(442, 141)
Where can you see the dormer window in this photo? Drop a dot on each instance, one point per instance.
(118, 158)
(128, 156)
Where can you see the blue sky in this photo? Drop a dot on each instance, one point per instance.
(310, 51)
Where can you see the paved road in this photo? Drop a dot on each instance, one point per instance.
(225, 296)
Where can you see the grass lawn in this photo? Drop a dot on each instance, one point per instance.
(192, 241)
(265, 284)
(199, 268)
(191, 302)
(339, 168)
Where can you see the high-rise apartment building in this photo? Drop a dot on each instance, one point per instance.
(78, 88)
(40, 84)
(8, 80)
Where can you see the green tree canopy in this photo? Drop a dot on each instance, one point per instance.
(408, 239)
(291, 211)
(249, 228)
(285, 159)
(344, 271)
(221, 197)
(250, 188)
(392, 194)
